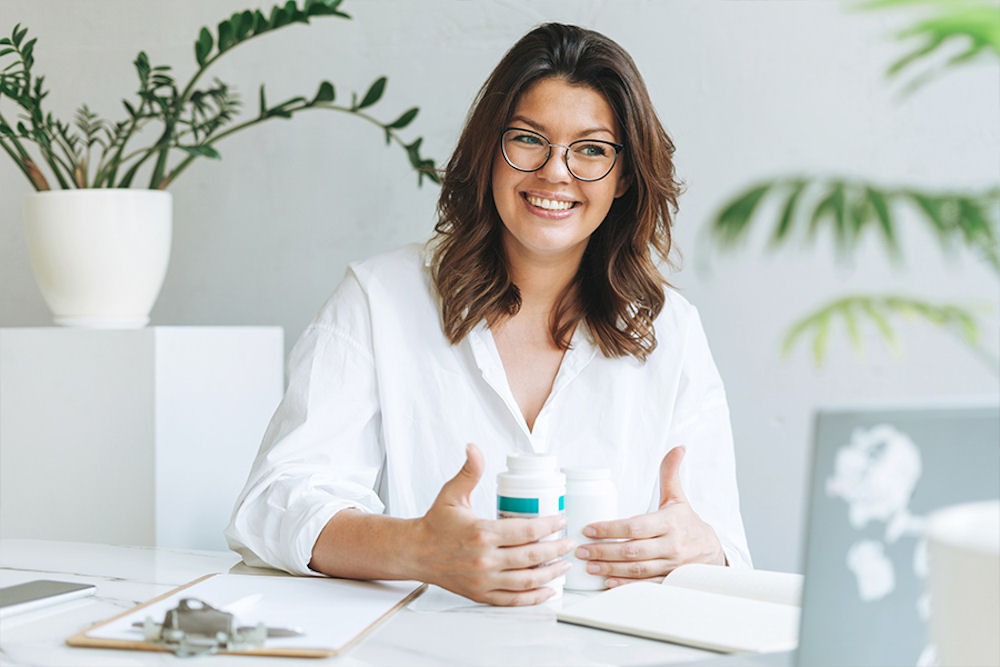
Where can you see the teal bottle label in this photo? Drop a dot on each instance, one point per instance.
(510, 507)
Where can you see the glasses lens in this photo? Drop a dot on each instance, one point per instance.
(591, 160)
(524, 150)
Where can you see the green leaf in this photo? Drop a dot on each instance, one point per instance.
(882, 215)
(18, 35)
(784, 225)
(243, 24)
(325, 93)
(733, 221)
(260, 23)
(324, 8)
(263, 101)
(832, 206)
(227, 36)
(26, 53)
(404, 119)
(4, 52)
(201, 151)
(374, 93)
(203, 46)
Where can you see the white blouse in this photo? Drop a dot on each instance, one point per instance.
(380, 406)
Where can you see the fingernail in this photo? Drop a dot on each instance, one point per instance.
(589, 532)
(611, 583)
(593, 568)
(582, 552)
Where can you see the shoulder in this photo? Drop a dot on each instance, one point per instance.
(405, 263)
(678, 314)
(379, 282)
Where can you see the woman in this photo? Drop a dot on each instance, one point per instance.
(536, 320)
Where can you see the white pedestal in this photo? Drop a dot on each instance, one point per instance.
(138, 436)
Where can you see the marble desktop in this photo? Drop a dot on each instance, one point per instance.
(438, 628)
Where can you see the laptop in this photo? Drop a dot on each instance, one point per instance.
(877, 472)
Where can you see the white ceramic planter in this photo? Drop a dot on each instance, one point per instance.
(99, 256)
(963, 549)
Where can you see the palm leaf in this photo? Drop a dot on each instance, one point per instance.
(970, 27)
(880, 312)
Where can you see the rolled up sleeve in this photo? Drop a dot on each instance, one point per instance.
(321, 452)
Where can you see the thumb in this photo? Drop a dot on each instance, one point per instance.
(456, 491)
(670, 477)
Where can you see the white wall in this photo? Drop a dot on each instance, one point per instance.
(748, 89)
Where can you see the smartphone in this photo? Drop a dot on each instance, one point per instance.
(39, 593)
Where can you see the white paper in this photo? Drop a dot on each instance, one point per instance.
(329, 612)
(764, 585)
(695, 618)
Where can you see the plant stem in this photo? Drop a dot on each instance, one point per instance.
(19, 161)
(176, 171)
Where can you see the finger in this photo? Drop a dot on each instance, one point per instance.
(670, 477)
(532, 555)
(638, 527)
(628, 550)
(643, 569)
(456, 491)
(615, 582)
(517, 598)
(529, 578)
(511, 532)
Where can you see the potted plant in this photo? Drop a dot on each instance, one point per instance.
(852, 208)
(99, 223)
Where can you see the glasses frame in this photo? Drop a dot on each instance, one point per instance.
(548, 155)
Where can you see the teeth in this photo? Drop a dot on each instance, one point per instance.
(549, 204)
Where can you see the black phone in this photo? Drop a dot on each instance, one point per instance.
(39, 593)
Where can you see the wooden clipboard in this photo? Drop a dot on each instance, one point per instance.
(378, 601)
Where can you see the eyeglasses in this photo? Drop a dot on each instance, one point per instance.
(587, 159)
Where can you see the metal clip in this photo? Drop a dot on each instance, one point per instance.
(195, 628)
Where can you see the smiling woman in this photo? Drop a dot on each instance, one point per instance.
(536, 321)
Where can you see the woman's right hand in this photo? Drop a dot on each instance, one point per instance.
(497, 561)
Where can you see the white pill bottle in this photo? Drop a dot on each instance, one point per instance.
(590, 496)
(532, 486)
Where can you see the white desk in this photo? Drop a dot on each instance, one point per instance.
(438, 628)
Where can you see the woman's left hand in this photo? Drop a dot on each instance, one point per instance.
(653, 544)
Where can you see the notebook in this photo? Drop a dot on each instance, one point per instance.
(705, 606)
(877, 471)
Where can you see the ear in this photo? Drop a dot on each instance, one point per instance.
(624, 182)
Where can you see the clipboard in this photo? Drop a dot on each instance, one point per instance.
(332, 614)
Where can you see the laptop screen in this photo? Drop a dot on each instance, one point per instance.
(877, 473)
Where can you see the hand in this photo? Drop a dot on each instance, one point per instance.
(496, 561)
(655, 543)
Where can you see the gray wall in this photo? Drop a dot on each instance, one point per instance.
(747, 89)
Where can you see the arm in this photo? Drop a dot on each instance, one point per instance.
(494, 561)
(310, 503)
(697, 517)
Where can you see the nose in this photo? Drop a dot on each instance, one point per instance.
(555, 169)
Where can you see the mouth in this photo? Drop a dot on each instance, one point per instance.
(546, 204)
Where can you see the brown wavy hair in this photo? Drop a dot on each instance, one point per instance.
(618, 289)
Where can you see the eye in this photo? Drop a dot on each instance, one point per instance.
(591, 149)
(526, 139)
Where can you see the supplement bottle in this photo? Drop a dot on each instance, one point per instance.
(532, 486)
(590, 496)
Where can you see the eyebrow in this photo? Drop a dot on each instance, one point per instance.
(538, 127)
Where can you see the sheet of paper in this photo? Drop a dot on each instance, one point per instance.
(765, 585)
(694, 618)
(329, 612)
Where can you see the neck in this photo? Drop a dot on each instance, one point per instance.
(542, 279)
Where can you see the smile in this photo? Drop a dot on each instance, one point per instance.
(550, 204)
